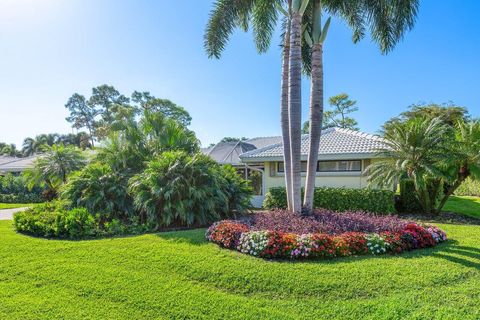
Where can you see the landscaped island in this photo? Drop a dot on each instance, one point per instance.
(324, 234)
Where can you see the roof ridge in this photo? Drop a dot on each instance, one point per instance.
(263, 148)
(358, 133)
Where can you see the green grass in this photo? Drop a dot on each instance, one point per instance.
(469, 206)
(178, 275)
(15, 205)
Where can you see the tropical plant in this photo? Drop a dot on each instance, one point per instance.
(412, 149)
(388, 20)
(52, 168)
(101, 190)
(180, 189)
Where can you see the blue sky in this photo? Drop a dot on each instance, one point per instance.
(50, 49)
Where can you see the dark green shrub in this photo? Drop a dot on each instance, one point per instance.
(21, 198)
(14, 189)
(409, 202)
(339, 199)
(54, 220)
(179, 189)
(99, 189)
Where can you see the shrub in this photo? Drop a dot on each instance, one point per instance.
(99, 189)
(339, 199)
(469, 187)
(21, 198)
(180, 189)
(14, 189)
(53, 220)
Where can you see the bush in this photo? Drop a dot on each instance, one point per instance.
(21, 198)
(53, 220)
(339, 199)
(179, 189)
(409, 202)
(276, 244)
(99, 189)
(469, 187)
(14, 189)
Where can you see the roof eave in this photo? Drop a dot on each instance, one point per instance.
(333, 156)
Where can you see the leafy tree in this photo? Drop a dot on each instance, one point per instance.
(166, 107)
(43, 142)
(413, 148)
(9, 150)
(232, 139)
(82, 114)
(52, 168)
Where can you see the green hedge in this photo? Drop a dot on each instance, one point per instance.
(469, 188)
(339, 199)
(408, 196)
(21, 198)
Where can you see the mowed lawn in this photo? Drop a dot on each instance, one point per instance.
(469, 206)
(15, 205)
(178, 275)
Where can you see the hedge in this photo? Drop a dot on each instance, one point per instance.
(339, 199)
(21, 198)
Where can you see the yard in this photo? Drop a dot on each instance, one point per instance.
(180, 275)
(469, 206)
(14, 205)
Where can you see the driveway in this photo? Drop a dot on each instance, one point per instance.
(7, 214)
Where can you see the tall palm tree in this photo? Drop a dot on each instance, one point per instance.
(387, 19)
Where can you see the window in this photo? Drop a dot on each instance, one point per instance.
(329, 166)
(341, 165)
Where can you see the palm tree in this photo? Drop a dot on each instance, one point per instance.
(414, 148)
(387, 20)
(463, 160)
(51, 170)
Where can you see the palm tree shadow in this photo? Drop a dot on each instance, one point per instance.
(466, 256)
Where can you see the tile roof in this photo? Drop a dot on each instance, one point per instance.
(17, 164)
(334, 143)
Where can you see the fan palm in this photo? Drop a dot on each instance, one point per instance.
(415, 149)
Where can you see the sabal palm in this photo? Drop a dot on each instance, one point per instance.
(387, 20)
(414, 149)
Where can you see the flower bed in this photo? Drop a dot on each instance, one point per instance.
(328, 234)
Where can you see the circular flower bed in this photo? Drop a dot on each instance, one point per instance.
(325, 234)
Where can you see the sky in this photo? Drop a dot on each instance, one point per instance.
(50, 49)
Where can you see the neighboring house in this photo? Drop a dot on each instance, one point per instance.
(15, 165)
(343, 156)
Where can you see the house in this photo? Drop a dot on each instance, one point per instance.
(15, 165)
(343, 156)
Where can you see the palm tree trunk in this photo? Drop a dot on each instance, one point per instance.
(284, 119)
(295, 108)
(316, 116)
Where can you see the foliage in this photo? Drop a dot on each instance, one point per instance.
(180, 189)
(54, 220)
(278, 244)
(325, 221)
(340, 199)
(409, 201)
(100, 189)
(52, 169)
(43, 142)
(341, 106)
(21, 198)
(411, 149)
(14, 189)
(469, 187)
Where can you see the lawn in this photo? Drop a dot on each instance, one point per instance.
(179, 275)
(469, 206)
(14, 205)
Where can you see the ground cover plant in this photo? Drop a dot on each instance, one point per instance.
(283, 234)
(179, 275)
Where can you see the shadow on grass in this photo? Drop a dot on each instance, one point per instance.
(192, 236)
(466, 256)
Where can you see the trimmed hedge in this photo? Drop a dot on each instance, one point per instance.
(408, 196)
(469, 187)
(21, 198)
(339, 199)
